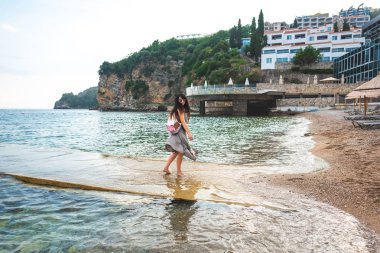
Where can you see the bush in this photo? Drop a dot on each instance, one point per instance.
(148, 70)
(138, 88)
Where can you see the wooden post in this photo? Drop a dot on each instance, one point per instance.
(365, 106)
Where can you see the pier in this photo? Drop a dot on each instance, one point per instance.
(259, 99)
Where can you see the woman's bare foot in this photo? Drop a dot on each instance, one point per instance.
(167, 172)
(180, 174)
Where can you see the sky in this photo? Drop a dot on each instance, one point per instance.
(51, 47)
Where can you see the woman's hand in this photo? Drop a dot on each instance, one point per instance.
(190, 136)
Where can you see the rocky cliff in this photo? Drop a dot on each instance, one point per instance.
(163, 81)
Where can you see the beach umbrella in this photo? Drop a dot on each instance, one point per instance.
(246, 81)
(308, 80)
(192, 85)
(329, 80)
(370, 89)
(281, 81)
(205, 83)
(230, 81)
(342, 79)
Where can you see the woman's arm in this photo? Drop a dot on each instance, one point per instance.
(184, 124)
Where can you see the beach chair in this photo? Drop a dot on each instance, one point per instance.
(362, 117)
(366, 124)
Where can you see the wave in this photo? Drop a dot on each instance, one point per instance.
(70, 185)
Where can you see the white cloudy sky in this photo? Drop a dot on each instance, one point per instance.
(50, 47)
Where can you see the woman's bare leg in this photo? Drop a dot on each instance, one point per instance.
(179, 164)
(169, 161)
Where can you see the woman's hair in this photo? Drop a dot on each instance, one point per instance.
(178, 106)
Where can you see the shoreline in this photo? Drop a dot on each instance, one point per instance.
(352, 182)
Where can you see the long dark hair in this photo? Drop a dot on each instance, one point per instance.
(178, 106)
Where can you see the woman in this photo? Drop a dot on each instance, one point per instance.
(178, 143)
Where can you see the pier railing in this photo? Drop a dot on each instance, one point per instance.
(222, 89)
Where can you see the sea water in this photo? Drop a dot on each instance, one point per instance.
(217, 207)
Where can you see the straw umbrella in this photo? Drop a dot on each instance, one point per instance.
(329, 80)
(370, 89)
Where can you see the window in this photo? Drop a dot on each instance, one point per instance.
(335, 50)
(269, 60)
(300, 36)
(324, 50)
(288, 37)
(346, 36)
(322, 37)
(329, 28)
(294, 51)
(325, 59)
(350, 49)
(271, 51)
(283, 51)
(334, 37)
(311, 38)
(357, 35)
(276, 37)
(282, 59)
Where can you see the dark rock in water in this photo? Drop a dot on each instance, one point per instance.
(162, 108)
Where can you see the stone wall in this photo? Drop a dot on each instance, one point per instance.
(289, 76)
(319, 65)
(307, 102)
(329, 88)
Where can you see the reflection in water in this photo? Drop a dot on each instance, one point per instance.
(181, 208)
(180, 212)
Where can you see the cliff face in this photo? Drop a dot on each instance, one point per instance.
(163, 80)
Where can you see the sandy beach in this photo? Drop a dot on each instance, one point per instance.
(352, 183)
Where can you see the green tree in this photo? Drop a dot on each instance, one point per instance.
(336, 29)
(346, 26)
(260, 34)
(307, 56)
(374, 13)
(252, 49)
(239, 34)
(295, 23)
(233, 42)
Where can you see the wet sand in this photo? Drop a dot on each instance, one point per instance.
(352, 183)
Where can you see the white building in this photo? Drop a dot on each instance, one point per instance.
(356, 17)
(315, 21)
(283, 45)
(276, 26)
(357, 21)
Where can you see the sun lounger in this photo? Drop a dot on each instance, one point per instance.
(366, 124)
(362, 117)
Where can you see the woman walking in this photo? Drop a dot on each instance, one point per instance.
(177, 142)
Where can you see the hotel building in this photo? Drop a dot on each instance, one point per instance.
(363, 63)
(315, 21)
(283, 45)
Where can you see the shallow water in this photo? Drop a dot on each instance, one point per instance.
(37, 219)
(217, 207)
